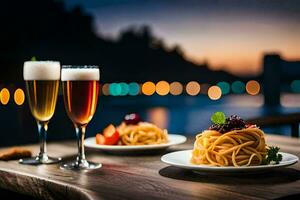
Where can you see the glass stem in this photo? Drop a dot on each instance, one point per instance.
(80, 133)
(42, 128)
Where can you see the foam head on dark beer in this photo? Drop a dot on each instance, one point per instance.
(41, 70)
(83, 74)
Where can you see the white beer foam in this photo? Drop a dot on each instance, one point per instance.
(41, 70)
(80, 74)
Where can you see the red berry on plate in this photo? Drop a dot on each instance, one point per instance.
(132, 119)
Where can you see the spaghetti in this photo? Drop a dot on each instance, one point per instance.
(142, 133)
(242, 147)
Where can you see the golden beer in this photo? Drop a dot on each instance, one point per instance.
(42, 96)
(42, 82)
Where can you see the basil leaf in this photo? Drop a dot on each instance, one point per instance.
(218, 118)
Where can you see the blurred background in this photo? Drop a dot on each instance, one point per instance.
(174, 62)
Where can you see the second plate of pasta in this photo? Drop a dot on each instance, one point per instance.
(173, 139)
(182, 159)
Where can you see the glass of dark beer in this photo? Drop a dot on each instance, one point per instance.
(42, 82)
(80, 90)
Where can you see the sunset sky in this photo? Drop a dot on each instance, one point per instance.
(229, 34)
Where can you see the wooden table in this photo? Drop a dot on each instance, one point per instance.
(146, 177)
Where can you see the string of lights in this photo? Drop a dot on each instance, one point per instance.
(162, 88)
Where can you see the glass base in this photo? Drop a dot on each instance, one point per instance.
(39, 160)
(82, 165)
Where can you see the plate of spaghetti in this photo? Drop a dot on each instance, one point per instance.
(133, 135)
(230, 145)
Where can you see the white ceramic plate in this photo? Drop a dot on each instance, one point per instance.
(182, 159)
(174, 139)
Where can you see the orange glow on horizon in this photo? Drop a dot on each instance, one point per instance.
(231, 36)
(238, 46)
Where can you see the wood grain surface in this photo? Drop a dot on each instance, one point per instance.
(146, 177)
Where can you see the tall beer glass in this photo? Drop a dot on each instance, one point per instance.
(42, 82)
(80, 90)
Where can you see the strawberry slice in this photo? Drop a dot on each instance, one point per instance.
(111, 135)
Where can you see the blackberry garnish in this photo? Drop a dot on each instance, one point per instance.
(233, 122)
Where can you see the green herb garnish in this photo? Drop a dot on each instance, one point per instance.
(33, 58)
(272, 156)
(218, 118)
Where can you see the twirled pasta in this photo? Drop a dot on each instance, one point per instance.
(235, 148)
(143, 133)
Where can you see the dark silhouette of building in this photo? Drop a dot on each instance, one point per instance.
(277, 77)
(271, 79)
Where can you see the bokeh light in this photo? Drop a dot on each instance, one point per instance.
(253, 87)
(159, 116)
(295, 86)
(115, 89)
(148, 88)
(134, 89)
(224, 86)
(176, 88)
(238, 87)
(4, 96)
(214, 92)
(193, 88)
(162, 88)
(105, 89)
(19, 96)
(124, 89)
